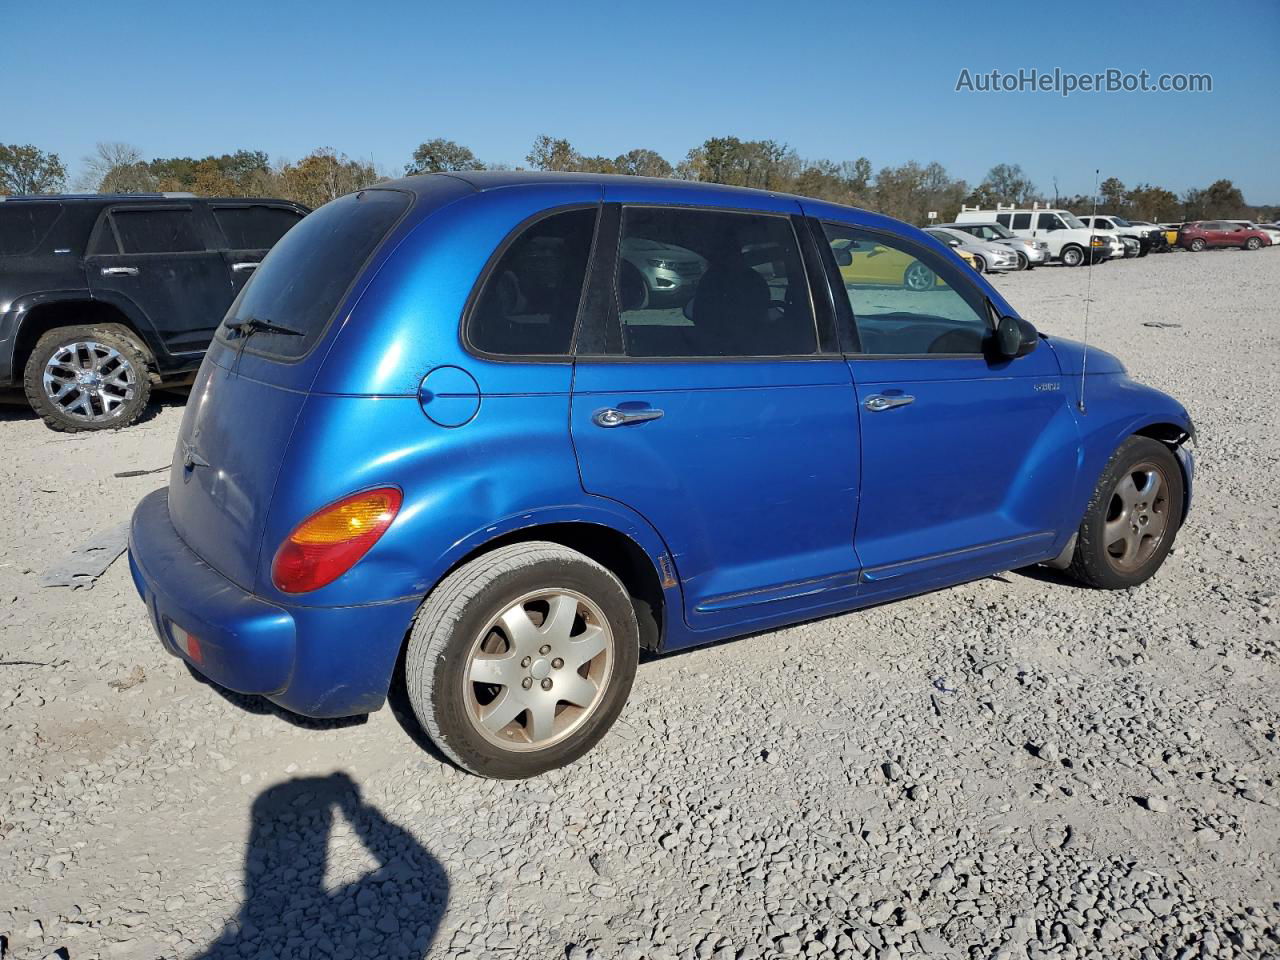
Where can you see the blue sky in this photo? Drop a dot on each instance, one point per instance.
(836, 79)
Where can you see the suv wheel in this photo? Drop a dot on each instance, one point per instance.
(1130, 523)
(521, 660)
(1253, 243)
(1197, 244)
(88, 378)
(1072, 256)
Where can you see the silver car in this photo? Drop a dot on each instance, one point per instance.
(988, 257)
(1031, 253)
(669, 273)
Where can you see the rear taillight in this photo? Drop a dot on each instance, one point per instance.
(330, 541)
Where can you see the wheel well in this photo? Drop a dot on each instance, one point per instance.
(1167, 433)
(613, 550)
(44, 317)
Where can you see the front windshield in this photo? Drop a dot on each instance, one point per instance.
(1003, 232)
(1072, 220)
(1121, 222)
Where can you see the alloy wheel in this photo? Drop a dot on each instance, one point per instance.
(89, 381)
(918, 277)
(1137, 517)
(538, 670)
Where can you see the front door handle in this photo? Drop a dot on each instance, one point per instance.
(613, 417)
(244, 265)
(119, 271)
(879, 402)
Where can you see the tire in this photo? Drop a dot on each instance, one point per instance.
(1253, 243)
(1197, 244)
(980, 263)
(918, 277)
(1071, 256)
(462, 625)
(1024, 263)
(90, 377)
(1129, 526)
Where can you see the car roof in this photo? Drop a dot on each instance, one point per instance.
(482, 180)
(132, 198)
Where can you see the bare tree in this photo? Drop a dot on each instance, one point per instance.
(116, 168)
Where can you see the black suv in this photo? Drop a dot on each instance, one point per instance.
(104, 296)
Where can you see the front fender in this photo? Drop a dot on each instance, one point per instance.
(1116, 408)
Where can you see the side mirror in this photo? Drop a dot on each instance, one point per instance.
(844, 257)
(1015, 337)
(954, 243)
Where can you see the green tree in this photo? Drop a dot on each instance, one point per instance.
(551, 153)
(26, 169)
(1008, 184)
(442, 156)
(1156, 204)
(1113, 195)
(642, 163)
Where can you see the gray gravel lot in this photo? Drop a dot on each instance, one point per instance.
(1016, 767)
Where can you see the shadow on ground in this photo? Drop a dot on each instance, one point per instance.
(289, 911)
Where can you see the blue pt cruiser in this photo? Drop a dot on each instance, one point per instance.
(515, 428)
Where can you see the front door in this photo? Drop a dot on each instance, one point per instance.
(966, 461)
(720, 409)
(163, 261)
(249, 231)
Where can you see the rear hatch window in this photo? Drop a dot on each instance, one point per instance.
(304, 279)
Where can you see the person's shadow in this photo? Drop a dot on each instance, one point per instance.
(391, 911)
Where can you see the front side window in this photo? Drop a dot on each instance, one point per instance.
(1022, 221)
(906, 300)
(1049, 221)
(158, 231)
(708, 283)
(254, 227)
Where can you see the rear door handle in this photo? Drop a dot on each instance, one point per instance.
(119, 271)
(880, 402)
(613, 417)
(244, 265)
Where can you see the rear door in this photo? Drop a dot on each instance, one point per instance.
(724, 414)
(163, 260)
(967, 462)
(248, 230)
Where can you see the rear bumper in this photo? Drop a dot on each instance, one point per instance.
(316, 661)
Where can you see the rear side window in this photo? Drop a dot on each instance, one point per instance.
(1022, 221)
(1002, 219)
(704, 283)
(255, 227)
(158, 231)
(530, 298)
(305, 277)
(24, 227)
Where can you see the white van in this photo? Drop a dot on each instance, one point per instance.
(1070, 242)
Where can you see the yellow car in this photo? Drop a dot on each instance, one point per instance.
(862, 262)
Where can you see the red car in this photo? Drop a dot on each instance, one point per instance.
(1199, 234)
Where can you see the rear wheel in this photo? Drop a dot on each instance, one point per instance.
(1197, 244)
(521, 660)
(88, 378)
(918, 277)
(1072, 256)
(1132, 519)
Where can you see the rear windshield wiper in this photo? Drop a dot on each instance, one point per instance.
(247, 328)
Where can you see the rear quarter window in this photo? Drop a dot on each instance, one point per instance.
(25, 226)
(304, 279)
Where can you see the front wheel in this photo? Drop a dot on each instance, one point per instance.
(1072, 256)
(87, 378)
(918, 277)
(1132, 519)
(1253, 243)
(521, 660)
(1024, 262)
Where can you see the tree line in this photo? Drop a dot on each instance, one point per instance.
(909, 191)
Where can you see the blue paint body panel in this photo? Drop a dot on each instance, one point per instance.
(765, 494)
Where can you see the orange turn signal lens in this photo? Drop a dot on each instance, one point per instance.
(332, 540)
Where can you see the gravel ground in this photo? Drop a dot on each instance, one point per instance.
(1016, 767)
